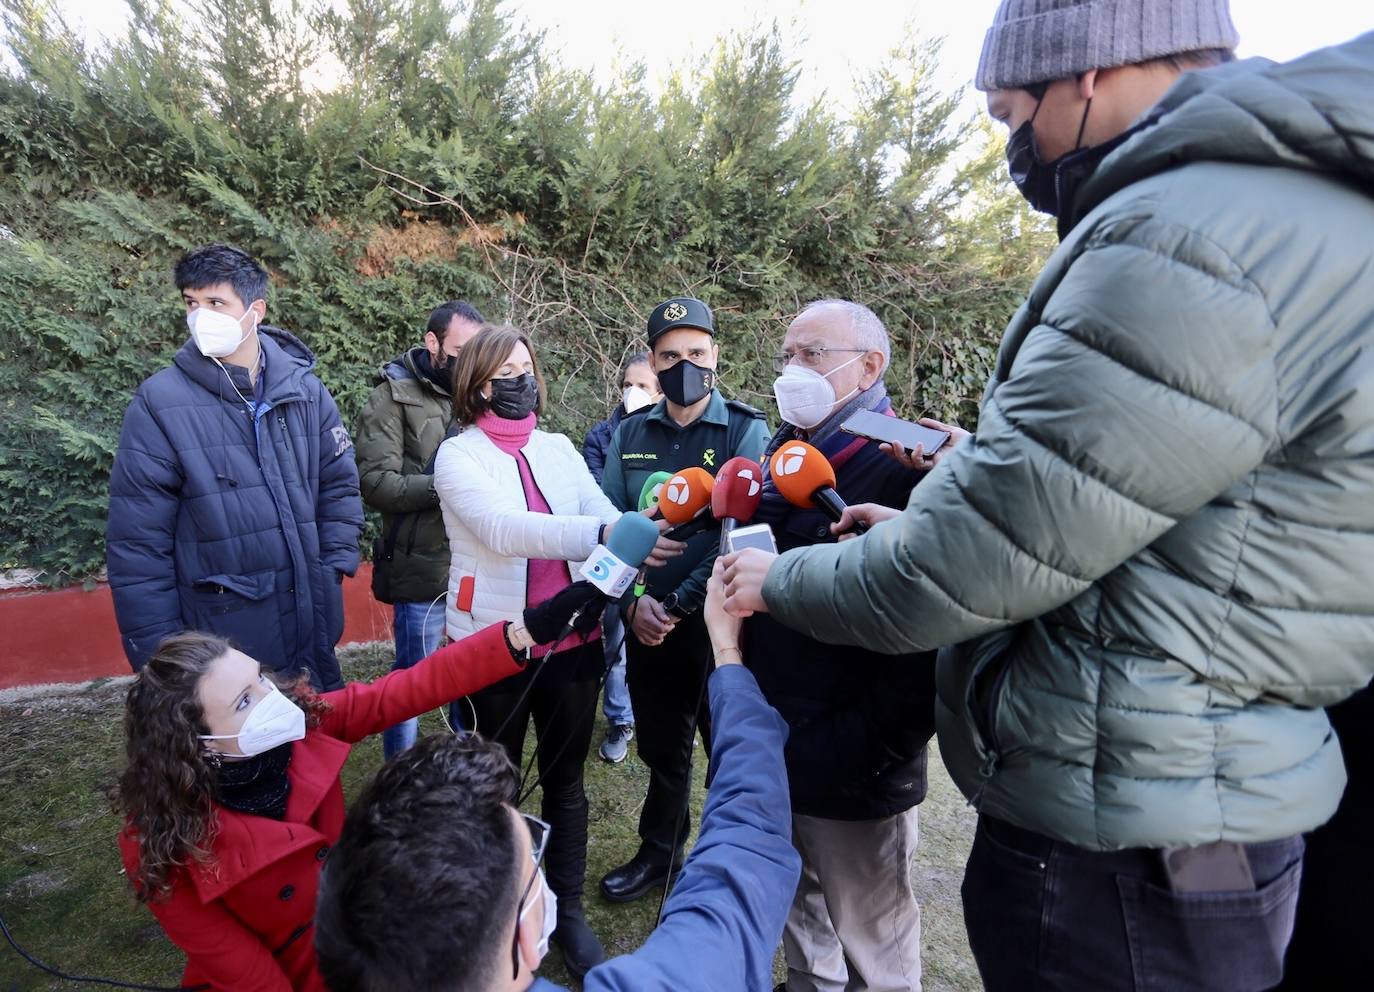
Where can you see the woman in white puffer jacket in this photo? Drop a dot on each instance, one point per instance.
(522, 512)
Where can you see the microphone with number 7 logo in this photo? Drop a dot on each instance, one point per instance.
(684, 502)
(805, 477)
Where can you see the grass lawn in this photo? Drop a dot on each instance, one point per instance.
(63, 894)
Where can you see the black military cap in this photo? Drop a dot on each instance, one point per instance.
(680, 311)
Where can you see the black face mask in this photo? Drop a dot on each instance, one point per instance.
(687, 383)
(1037, 179)
(514, 398)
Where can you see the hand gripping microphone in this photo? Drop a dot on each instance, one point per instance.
(612, 566)
(606, 574)
(735, 498)
(684, 500)
(805, 478)
(653, 488)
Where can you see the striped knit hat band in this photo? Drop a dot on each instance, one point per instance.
(1038, 41)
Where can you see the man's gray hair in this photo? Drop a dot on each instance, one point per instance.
(867, 330)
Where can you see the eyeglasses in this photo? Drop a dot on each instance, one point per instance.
(811, 358)
(539, 840)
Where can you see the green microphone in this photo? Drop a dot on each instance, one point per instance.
(648, 496)
(653, 485)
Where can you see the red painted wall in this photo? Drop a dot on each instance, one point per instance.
(69, 635)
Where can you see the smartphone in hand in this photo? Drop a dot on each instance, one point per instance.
(754, 536)
(877, 427)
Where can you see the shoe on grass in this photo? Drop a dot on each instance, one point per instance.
(617, 743)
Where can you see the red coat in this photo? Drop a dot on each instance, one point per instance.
(245, 920)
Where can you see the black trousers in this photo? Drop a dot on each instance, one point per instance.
(666, 690)
(563, 704)
(1043, 915)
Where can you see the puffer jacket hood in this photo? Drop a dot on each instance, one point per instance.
(289, 361)
(407, 367)
(1315, 113)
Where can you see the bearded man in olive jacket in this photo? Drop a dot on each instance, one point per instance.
(1152, 566)
(404, 420)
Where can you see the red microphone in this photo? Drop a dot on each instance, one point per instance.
(805, 477)
(683, 502)
(735, 499)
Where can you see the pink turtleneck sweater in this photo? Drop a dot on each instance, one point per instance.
(545, 576)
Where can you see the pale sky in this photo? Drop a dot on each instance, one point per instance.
(834, 40)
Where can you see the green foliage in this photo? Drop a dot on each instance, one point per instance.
(387, 155)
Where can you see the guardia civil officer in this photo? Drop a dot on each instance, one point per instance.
(668, 654)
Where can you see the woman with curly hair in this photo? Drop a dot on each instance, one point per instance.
(232, 796)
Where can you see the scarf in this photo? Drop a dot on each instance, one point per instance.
(257, 785)
(508, 435)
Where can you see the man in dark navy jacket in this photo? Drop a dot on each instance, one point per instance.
(234, 504)
(856, 751)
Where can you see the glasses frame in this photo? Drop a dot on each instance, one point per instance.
(537, 847)
(782, 359)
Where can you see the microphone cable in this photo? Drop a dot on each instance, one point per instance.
(114, 983)
(522, 792)
(687, 801)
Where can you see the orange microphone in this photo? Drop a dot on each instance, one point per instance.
(805, 477)
(683, 501)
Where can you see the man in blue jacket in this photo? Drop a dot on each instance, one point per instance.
(857, 732)
(438, 828)
(234, 504)
(639, 389)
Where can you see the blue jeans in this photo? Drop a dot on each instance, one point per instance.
(616, 703)
(418, 629)
(1044, 915)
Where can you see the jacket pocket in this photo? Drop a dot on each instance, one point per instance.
(988, 661)
(242, 608)
(1217, 941)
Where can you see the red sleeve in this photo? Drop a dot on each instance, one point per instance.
(475, 662)
(221, 949)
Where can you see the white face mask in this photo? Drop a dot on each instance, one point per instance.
(274, 721)
(216, 334)
(805, 397)
(636, 398)
(550, 916)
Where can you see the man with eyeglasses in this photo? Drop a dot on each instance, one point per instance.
(437, 833)
(856, 748)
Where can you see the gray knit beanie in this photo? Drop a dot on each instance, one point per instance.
(1037, 41)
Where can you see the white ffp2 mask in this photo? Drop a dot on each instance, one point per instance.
(275, 720)
(805, 397)
(636, 398)
(216, 334)
(550, 920)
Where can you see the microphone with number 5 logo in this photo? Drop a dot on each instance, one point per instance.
(612, 566)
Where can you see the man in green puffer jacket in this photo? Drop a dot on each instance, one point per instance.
(399, 430)
(1154, 564)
